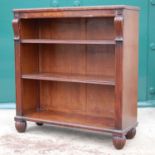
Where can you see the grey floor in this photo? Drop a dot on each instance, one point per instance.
(48, 140)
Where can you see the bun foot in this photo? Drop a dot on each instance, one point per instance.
(131, 134)
(119, 141)
(20, 126)
(39, 123)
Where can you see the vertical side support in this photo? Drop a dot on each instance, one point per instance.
(118, 22)
(16, 28)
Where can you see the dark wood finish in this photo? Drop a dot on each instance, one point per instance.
(77, 67)
(119, 141)
(20, 126)
(131, 134)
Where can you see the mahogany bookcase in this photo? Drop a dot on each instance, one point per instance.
(77, 67)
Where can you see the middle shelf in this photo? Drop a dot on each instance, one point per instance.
(80, 42)
(78, 78)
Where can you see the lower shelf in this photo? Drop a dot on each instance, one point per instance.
(71, 120)
(91, 79)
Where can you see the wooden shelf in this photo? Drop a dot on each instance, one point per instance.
(92, 79)
(70, 119)
(50, 41)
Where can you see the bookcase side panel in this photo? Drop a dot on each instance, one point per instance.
(130, 68)
(16, 28)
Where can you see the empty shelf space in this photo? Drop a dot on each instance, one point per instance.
(70, 119)
(49, 41)
(92, 79)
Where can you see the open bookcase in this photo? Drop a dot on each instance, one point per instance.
(77, 67)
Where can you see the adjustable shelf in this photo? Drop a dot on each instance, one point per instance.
(90, 79)
(77, 67)
(80, 42)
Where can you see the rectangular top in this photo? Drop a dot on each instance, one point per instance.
(72, 12)
(108, 7)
